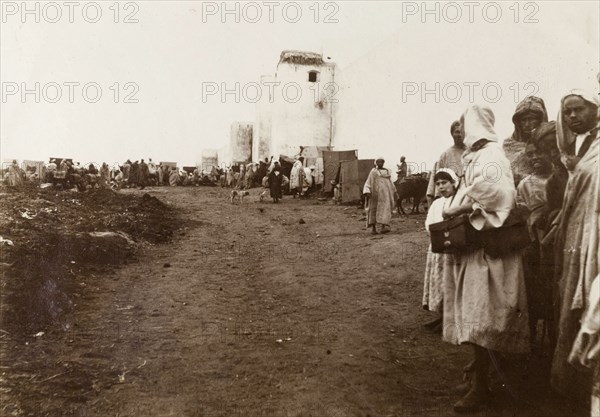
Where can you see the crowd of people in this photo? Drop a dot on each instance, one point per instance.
(69, 174)
(297, 180)
(134, 174)
(548, 172)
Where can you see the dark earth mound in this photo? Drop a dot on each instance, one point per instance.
(59, 237)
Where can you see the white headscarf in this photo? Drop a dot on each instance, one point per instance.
(478, 121)
(565, 136)
(451, 173)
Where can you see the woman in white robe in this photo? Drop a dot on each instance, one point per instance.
(15, 175)
(486, 303)
(297, 177)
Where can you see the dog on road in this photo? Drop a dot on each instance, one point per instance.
(238, 195)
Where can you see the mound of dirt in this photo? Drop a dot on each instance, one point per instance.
(59, 238)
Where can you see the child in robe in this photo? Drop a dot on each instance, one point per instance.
(531, 194)
(439, 266)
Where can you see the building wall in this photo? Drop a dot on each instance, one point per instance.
(241, 142)
(261, 140)
(224, 156)
(307, 121)
(301, 113)
(210, 158)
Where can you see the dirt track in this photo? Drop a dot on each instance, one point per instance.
(250, 313)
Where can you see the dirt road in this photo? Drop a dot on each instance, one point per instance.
(249, 312)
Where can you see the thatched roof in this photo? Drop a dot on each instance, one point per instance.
(301, 58)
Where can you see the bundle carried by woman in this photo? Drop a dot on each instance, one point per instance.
(458, 235)
(498, 233)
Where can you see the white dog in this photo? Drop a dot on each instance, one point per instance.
(263, 195)
(238, 195)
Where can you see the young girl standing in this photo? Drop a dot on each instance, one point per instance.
(438, 265)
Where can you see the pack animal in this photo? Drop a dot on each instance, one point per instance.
(413, 187)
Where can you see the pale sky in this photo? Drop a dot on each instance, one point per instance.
(170, 52)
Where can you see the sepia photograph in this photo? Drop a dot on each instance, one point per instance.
(299, 208)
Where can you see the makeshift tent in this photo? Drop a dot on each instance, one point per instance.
(313, 156)
(33, 167)
(353, 175)
(6, 162)
(286, 164)
(331, 162)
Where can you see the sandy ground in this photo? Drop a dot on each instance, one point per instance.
(248, 312)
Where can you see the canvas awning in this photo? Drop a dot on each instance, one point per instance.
(353, 175)
(331, 165)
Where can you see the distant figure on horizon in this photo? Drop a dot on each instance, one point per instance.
(143, 174)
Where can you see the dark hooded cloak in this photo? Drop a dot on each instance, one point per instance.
(514, 147)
